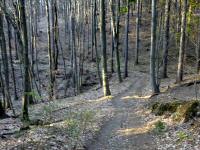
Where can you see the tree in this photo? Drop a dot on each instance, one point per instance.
(166, 38)
(137, 33)
(126, 41)
(55, 52)
(27, 84)
(106, 88)
(153, 79)
(11, 59)
(51, 74)
(2, 108)
(95, 40)
(179, 77)
(115, 19)
(198, 52)
(4, 56)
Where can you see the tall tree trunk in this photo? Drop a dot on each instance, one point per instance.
(154, 84)
(55, 34)
(11, 60)
(198, 49)
(126, 41)
(51, 74)
(198, 53)
(137, 33)
(182, 43)
(117, 42)
(106, 88)
(5, 61)
(115, 31)
(74, 54)
(2, 108)
(112, 49)
(95, 42)
(27, 84)
(166, 38)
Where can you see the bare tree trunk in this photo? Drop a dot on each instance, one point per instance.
(74, 60)
(115, 31)
(166, 38)
(112, 49)
(106, 88)
(5, 62)
(182, 43)
(137, 45)
(55, 33)
(11, 60)
(95, 42)
(51, 86)
(27, 84)
(126, 41)
(2, 101)
(154, 84)
(198, 51)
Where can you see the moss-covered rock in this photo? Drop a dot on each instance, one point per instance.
(179, 110)
(186, 111)
(161, 108)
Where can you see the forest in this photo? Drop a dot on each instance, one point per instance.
(100, 74)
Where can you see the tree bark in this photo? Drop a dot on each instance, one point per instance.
(115, 18)
(126, 41)
(137, 33)
(4, 56)
(51, 75)
(27, 84)
(166, 38)
(106, 88)
(154, 84)
(179, 77)
(198, 51)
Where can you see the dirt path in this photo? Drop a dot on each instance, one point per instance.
(124, 131)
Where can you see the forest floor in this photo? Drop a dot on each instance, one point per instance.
(122, 121)
(90, 121)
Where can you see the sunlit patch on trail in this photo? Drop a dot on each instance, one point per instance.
(105, 98)
(148, 127)
(137, 97)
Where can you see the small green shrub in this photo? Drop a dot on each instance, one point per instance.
(77, 124)
(73, 128)
(48, 112)
(160, 127)
(87, 116)
(182, 136)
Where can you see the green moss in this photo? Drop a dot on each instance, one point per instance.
(161, 108)
(186, 111)
(179, 110)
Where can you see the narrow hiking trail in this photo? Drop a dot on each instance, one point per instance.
(127, 130)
